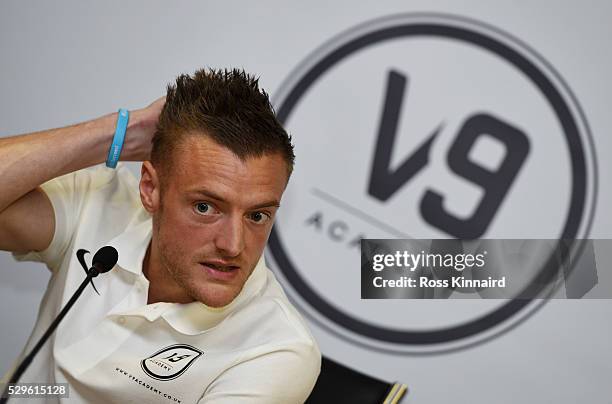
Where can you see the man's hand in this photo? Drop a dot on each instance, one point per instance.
(141, 128)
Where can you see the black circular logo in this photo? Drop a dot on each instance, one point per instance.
(514, 55)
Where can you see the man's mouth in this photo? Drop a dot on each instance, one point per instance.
(220, 267)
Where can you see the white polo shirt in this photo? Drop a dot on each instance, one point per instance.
(114, 348)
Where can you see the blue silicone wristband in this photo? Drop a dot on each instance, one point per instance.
(115, 150)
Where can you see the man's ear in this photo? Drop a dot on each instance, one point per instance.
(150, 194)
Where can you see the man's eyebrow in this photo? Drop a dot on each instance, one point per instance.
(216, 197)
(269, 204)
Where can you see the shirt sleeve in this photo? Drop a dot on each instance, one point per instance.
(285, 375)
(67, 194)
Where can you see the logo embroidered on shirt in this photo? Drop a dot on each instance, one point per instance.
(170, 362)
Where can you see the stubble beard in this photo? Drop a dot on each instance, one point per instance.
(181, 272)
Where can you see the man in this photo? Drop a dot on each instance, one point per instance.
(190, 313)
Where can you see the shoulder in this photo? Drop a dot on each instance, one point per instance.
(278, 360)
(95, 198)
(91, 206)
(268, 323)
(96, 181)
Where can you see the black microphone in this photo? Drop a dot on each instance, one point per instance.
(103, 261)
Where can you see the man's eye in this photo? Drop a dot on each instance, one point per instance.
(260, 217)
(203, 208)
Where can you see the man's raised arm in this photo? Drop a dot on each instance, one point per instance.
(27, 220)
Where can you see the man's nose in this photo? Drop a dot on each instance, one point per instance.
(230, 237)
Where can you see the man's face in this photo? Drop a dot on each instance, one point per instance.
(215, 216)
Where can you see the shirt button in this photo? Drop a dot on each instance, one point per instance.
(121, 320)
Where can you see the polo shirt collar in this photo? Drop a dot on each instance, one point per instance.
(132, 245)
(190, 318)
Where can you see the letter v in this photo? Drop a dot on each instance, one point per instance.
(384, 182)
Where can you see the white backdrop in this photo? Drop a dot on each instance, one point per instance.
(73, 60)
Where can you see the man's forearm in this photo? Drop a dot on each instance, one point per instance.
(26, 161)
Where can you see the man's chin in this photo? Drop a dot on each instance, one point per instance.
(216, 300)
(216, 304)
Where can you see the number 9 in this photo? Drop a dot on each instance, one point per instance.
(495, 184)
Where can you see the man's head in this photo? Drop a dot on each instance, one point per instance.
(226, 106)
(219, 166)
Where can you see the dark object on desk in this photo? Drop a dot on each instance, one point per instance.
(340, 384)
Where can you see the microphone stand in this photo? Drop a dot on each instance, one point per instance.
(91, 273)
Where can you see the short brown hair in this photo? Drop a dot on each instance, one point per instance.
(226, 105)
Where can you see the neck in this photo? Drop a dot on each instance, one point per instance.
(162, 287)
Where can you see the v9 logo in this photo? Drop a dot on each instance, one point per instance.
(495, 184)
